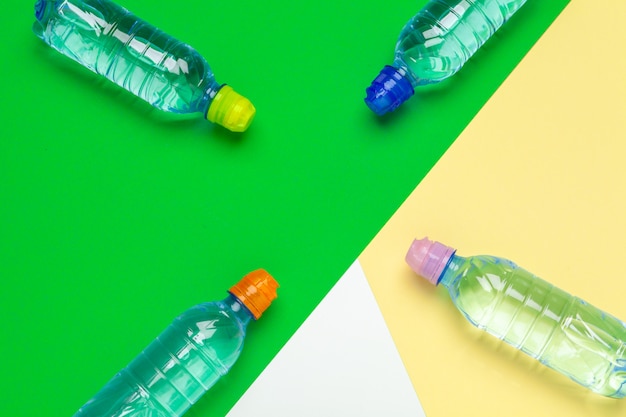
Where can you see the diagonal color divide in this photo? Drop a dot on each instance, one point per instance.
(341, 362)
(537, 177)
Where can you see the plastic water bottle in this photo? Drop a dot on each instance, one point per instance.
(434, 45)
(112, 42)
(562, 331)
(189, 357)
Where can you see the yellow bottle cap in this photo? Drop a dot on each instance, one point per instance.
(256, 291)
(231, 110)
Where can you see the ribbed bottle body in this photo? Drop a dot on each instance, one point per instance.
(178, 367)
(109, 40)
(562, 331)
(444, 34)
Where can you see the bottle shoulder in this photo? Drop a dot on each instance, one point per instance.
(214, 315)
(473, 269)
(476, 284)
(214, 328)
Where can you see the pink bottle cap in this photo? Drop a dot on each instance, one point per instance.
(428, 258)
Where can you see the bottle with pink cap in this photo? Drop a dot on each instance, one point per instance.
(560, 330)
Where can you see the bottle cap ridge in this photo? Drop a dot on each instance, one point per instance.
(39, 9)
(231, 110)
(42, 10)
(428, 258)
(388, 91)
(256, 291)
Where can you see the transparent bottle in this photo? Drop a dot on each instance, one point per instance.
(561, 331)
(434, 45)
(169, 74)
(188, 358)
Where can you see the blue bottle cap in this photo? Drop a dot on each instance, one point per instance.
(40, 7)
(388, 91)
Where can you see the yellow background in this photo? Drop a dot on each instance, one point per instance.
(538, 177)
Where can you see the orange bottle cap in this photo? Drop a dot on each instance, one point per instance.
(256, 291)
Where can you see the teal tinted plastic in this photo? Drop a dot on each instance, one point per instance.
(434, 45)
(562, 331)
(111, 41)
(443, 35)
(178, 367)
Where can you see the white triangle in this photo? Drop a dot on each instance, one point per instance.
(340, 362)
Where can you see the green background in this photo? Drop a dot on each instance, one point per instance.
(115, 217)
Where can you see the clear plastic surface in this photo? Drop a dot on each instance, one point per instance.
(562, 331)
(440, 39)
(178, 367)
(169, 74)
(435, 44)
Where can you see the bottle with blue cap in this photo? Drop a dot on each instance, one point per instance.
(434, 45)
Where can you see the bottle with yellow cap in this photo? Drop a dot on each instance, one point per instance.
(188, 358)
(169, 74)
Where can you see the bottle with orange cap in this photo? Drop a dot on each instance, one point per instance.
(188, 358)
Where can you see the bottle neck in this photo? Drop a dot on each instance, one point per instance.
(407, 74)
(210, 88)
(238, 310)
(450, 273)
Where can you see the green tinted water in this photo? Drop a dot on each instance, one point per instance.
(560, 330)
